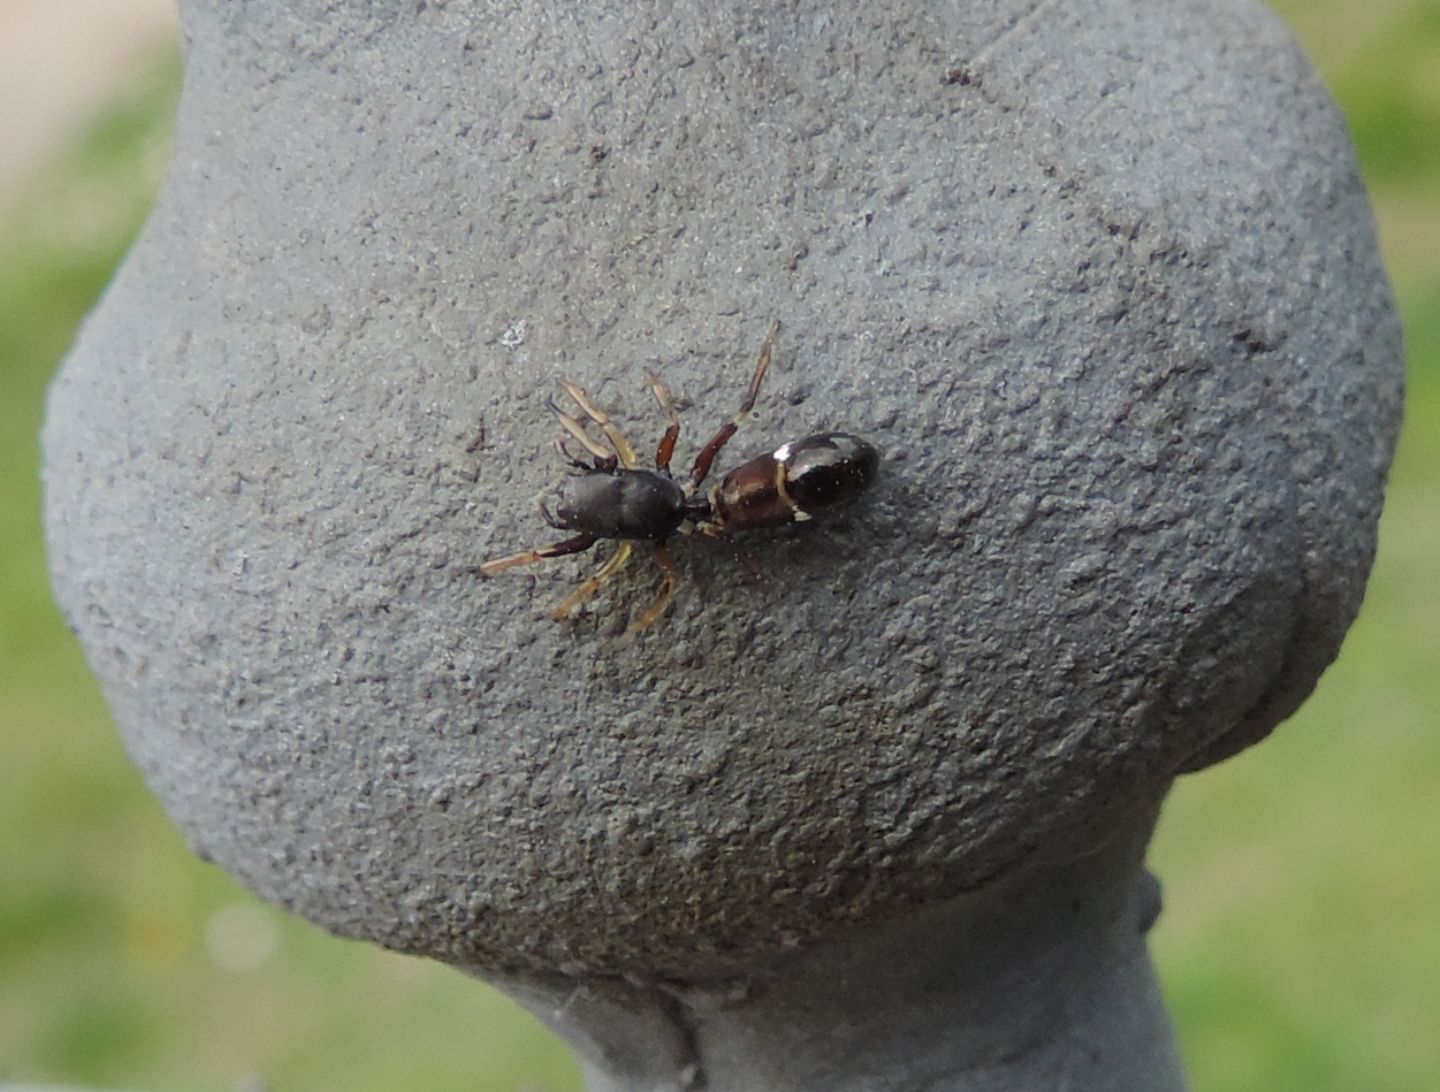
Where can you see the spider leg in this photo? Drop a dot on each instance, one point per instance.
(528, 557)
(604, 460)
(672, 433)
(672, 578)
(706, 458)
(549, 517)
(590, 587)
(737, 551)
(618, 440)
(563, 450)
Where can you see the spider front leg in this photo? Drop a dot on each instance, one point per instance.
(563, 450)
(604, 460)
(672, 432)
(618, 440)
(575, 545)
(707, 455)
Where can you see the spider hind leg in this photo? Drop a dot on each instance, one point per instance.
(707, 455)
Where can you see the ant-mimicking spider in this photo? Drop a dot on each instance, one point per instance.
(613, 497)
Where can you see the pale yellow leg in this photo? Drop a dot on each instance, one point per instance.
(618, 440)
(529, 557)
(672, 579)
(573, 426)
(590, 587)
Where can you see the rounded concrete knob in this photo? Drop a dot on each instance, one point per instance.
(1098, 281)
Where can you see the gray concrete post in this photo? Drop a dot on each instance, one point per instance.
(1100, 281)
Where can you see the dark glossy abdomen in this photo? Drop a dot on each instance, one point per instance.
(634, 504)
(829, 468)
(795, 481)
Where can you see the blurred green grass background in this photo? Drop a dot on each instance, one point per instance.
(1300, 947)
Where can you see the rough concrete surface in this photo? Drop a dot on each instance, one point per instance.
(1039, 981)
(1099, 280)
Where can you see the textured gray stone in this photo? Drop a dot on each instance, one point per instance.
(1100, 280)
(1039, 981)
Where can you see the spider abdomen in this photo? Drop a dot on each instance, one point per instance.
(791, 483)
